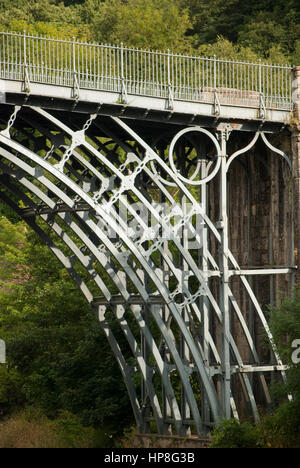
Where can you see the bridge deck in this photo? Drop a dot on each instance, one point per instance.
(143, 108)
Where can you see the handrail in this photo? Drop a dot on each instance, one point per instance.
(129, 70)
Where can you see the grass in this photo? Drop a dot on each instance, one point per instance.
(19, 433)
(31, 429)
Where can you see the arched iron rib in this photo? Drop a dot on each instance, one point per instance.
(112, 341)
(145, 330)
(196, 271)
(104, 239)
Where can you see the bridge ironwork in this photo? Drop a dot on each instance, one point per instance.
(127, 200)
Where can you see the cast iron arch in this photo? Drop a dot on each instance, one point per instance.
(86, 206)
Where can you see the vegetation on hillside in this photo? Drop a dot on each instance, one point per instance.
(267, 29)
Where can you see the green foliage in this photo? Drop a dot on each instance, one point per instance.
(232, 434)
(11, 390)
(72, 434)
(285, 327)
(262, 28)
(46, 11)
(44, 28)
(154, 24)
(58, 356)
(260, 24)
(12, 240)
(223, 48)
(45, 17)
(259, 34)
(279, 429)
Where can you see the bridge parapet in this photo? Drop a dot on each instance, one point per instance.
(130, 72)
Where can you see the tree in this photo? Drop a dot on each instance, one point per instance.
(151, 24)
(261, 34)
(285, 327)
(45, 17)
(58, 357)
(212, 19)
(259, 24)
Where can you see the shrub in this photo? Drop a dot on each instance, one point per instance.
(281, 428)
(232, 434)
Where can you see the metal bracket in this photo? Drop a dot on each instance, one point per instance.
(26, 83)
(76, 89)
(124, 96)
(224, 128)
(262, 107)
(170, 98)
(217, 105)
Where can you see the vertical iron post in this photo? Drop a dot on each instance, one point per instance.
(170, 91)
(123, 87)
(26, 75)
(224, 286)
(217, 108)
(75, 77)
(204, 299)
(262, 109)
(215, 72)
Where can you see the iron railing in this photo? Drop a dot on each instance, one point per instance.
(129, 70)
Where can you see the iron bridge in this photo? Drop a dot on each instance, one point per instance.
(118, 150)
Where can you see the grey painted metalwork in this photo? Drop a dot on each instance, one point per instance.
(131, 208)
(153, 280)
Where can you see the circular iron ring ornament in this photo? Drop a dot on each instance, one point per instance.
(168, 182)
(191, 181)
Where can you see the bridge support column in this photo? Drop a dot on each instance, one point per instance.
(224, 283)
(296, 167)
